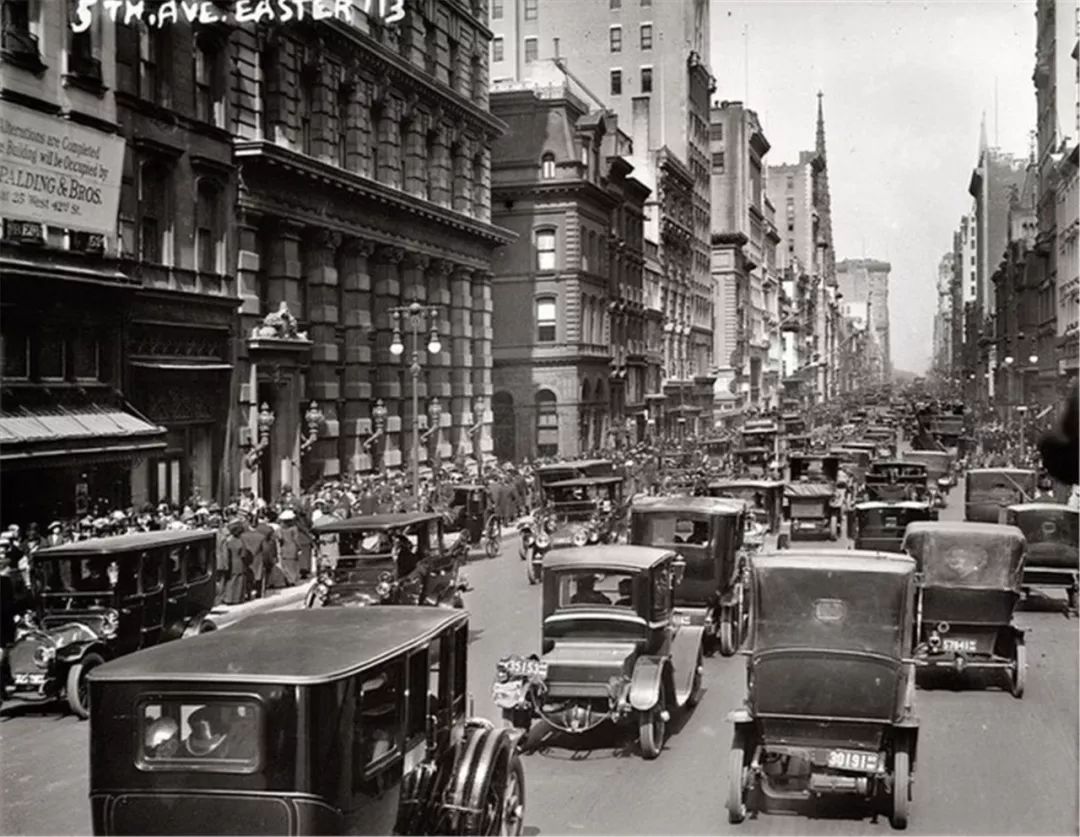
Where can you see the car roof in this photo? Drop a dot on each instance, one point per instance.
(372, 521)
(615, 556)
(1000, 471)
(300, 647)
(862, 560)
(745, 483)
(885, 463)
(1043, 507)
(813, 455)
(467, 486)
(575, 463)
(956, 527)
(902, 504)
(124, 543)
(585, 481)
(701, 505)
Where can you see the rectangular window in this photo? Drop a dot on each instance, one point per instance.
(496, 9)
(614, 4)
(616, 82)
(716, 131)
(530, 50)
(208, 105)
(377, 731)
(545, 250)
(497, 49)
(85, 359)
(646, 79)
(718, 162)
(15, 348)
(646, 36)
(615, 38)
(52, 355)
(216, 735)
(530, 9)
(545, 320)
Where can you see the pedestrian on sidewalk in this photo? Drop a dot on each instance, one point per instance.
(239, 579)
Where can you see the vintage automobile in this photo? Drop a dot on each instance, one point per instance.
(939, 467)
(880, 526)
(578, 512)
(766, 512)
(813, 510)
(892, 481)
(970, 583)
(106, 597)
(302, 722)
(793, 424)
(613, 647)
(989, 491)
(470, 510)
(572, 469)
(796, 443)
(817, 467)
(707, 533)
(829, 710)
(376, 559)
(1052, 535)
(760, 433)
(855, 461)
(753, 460)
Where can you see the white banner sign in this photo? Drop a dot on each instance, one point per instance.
(57, 172)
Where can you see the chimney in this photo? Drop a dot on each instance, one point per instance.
(639, 129)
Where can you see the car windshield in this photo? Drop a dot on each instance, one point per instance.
(1057, 526)
(585, 588)
(999, 486)
(962, 560)
(192, 733)
(98, 575)
(674, 529)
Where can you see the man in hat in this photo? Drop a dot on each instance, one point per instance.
(238, 559)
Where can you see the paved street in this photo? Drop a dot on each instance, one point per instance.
(989, 764)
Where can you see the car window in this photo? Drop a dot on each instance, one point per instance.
(192, 733)
(151, 567)
(197, 559)
(596, 588)
(661, 592)
(174, 565)
(378, 728)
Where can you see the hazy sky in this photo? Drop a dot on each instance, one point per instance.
(905, 84)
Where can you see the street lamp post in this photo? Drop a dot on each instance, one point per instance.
(420, 318)
(475, 431)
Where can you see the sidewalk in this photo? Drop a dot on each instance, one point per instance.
(224, 615)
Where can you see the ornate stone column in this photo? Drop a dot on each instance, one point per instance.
(412, 151)
(461, 359)
(354, 275)
(462, 174)
(482, 336)
(355, 131)
(390, 371)
(439, 163)
(438, 294)
(321, 275)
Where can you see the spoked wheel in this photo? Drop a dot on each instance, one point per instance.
(78, 689)
(901, 794)
(736, 797)
(512, 813)
(492, 538)
(652, 728)
(726, 630)
(1018, 675)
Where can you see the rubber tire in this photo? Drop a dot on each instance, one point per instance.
(76, 678)
(652, 730)
(725, 631)
(309, 599)
(517, 770)
(901, 794)
(695, 687)
(736, 795)
(532, 571)
(207, 627)
(1018, 677)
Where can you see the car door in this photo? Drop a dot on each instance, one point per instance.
(153, 592)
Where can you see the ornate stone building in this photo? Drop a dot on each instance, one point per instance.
(364, 161)
(570, 350)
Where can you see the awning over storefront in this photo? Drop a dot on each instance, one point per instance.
(50, 435)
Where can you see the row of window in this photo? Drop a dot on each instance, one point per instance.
(616, 81)
(530, 8)
(80, 355)
(615, 37)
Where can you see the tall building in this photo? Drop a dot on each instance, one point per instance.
(365, 153)
(866, 282)
(649, 64)
(69, 435)
(570, 366)
(738, 146)
(943, 314)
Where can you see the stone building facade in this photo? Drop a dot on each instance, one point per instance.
(569, 341)
(364, 156)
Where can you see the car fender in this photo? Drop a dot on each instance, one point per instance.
(646, 681)
(740, 716)
(479, 755)
(70, 654)
(685, 648)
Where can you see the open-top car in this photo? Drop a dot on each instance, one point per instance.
(765, 499)
(880, 526)
(829, 710)
(302, 722)
(707, 533)
(578, 512)
(394, 558)
(970, 583)
(470, 510)
(989, 491)
(1052, 534)
(102, 598)
(613, 647)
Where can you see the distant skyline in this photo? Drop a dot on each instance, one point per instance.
(906, 85)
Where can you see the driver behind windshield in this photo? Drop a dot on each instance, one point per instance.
(586, 592)
(406, 556)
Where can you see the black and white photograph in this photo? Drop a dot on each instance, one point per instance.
(539, 417)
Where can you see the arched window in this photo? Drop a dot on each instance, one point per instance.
(547, 424)
(547, 166)
(208, 239)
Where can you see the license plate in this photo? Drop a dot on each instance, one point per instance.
(527, 668)
(853, 760)
(958, 644)
(25, 679)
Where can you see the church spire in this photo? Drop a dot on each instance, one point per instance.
(819, 148)
(983, 144)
